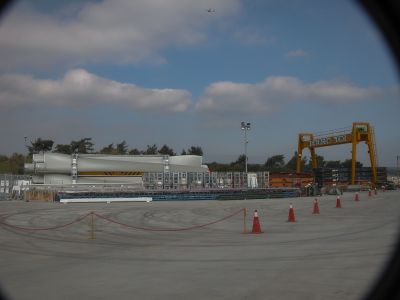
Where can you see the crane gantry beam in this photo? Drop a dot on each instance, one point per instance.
(360, 132)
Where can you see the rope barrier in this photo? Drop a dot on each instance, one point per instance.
(45, 228)
(170, 229)
(117, 222)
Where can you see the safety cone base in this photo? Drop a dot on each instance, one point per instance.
(256, 225)
(291, 216)
(338, 203)
(256, 228)
(316, 208)
(251, 232)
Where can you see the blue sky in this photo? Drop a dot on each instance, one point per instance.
(169, 72)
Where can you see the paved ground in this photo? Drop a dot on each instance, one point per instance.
(334, 255)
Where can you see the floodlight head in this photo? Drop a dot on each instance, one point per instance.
(245, 125)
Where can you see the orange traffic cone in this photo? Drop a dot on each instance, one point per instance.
(369, 193)
(291, 217)
(356, 197)
(256, 223)
(338, 203)
(316, 207)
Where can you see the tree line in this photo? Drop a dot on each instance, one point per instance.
(15, 163)
(276, 163)
(86, 146)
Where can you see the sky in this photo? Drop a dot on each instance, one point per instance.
(172, 72)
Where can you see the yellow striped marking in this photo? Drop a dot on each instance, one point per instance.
(112, 173)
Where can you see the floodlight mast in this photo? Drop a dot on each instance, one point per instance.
(245, 126)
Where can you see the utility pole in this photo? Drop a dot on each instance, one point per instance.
(245, 126)
(25, 155)
(398, 170)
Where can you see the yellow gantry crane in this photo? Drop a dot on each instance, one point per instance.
(360, 132)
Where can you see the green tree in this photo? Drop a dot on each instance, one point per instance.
(275, 163)
(195, 150)
(183, 152)
(16, 163)
(40, 145)
(291, 165)
(218, 167)
(332, 164)
(108, 149)
(4, 167)
(122, 148)
(239, 164)
(320, 163)
(63, 148)
(165, 150)
(347, 164)
(255, 167)
(83, 146)
(241, 159)
(134, 152)
(151, 150)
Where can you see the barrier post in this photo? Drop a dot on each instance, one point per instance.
(244, 220)
(92, 235)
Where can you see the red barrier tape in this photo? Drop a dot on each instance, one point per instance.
(172, 229)
(44, 228)
(116, 222)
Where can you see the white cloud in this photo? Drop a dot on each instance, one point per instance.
(296, 53)
(121, 31)
(339, 91)
(250, 36)
(81, 88)
(275, 92)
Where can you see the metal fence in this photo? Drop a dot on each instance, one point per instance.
(12, 186)
(193, 180)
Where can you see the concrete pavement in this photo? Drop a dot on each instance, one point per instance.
(334, 255)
